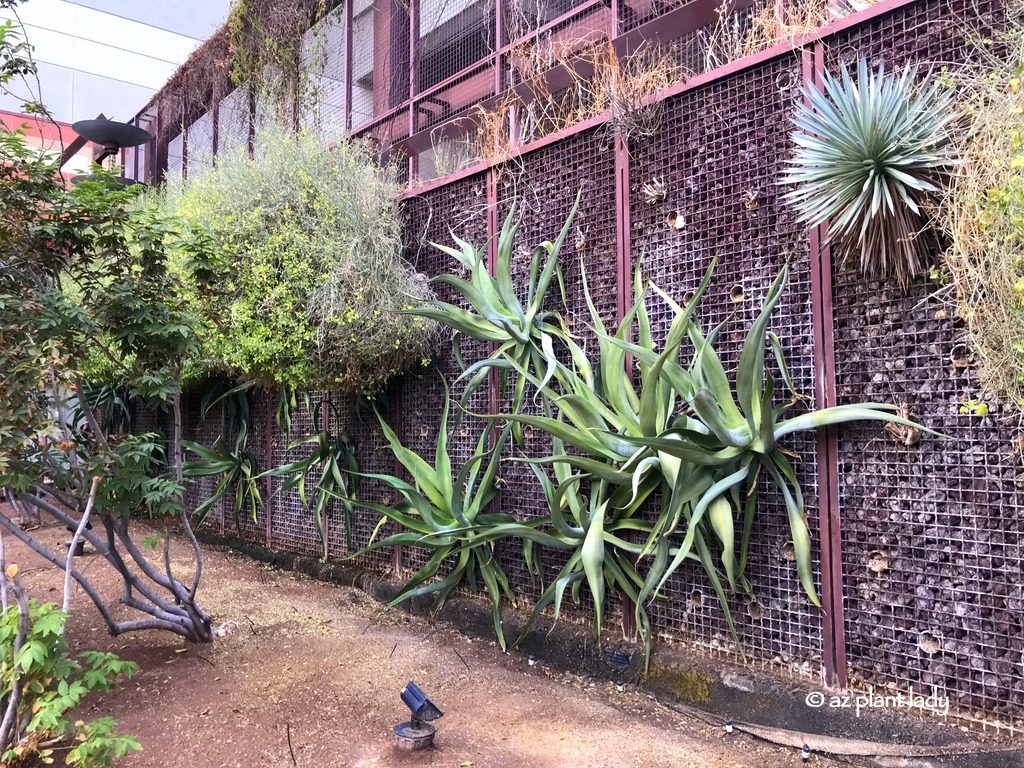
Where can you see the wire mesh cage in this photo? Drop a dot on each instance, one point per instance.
(703, 188)
(931, 530)
(459, 209)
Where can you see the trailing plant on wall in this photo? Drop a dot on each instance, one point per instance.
(308, 273)
(984, 214)
(871, 152)
(265, 49)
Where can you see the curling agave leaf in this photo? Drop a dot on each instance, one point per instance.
(841, 414)
(750, 371)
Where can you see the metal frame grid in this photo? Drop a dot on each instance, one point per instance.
(931, 555)
(291, 523)
(453, 36)
(544, 185)
(323, 55)
(461, 209)
(201, 138)
(233, 121)
(719, 155)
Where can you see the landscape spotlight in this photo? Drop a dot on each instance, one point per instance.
(418, 733)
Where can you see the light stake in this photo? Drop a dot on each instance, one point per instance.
(417, 733)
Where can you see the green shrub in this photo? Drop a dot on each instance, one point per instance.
(984, 214)
(34, 657)
(308, 274)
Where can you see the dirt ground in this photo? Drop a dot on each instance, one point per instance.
(324, 664)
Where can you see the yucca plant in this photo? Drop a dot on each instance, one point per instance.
(451, 517)
(334, 459)
(871, 151)
(524, 333)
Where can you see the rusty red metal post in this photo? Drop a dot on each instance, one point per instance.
(833, 629)
(268, 459)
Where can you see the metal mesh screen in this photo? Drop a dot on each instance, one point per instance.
(453, 35)
(200, 144)
(380, 58)
(323, 49)
(718, 157)
(374, 456)
(931, 533)
(461, 208)
(175, 156)
(292, 526)
(521, 17)
(544, 185)
(233, 121)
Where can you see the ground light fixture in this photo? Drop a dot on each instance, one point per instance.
(417, 733)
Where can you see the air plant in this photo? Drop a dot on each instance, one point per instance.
(870, 154)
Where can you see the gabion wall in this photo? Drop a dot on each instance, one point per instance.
(926, 538)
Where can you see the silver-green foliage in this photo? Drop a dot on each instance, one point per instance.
(871, 152)
(308, 275)
(681, 430)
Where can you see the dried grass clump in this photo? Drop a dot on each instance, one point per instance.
(735, 35)
(623, 87)
(984, 216)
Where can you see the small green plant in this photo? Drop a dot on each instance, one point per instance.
(974, 408)
(334, 460)
(871, 154)
(41, 684)
(524, 333)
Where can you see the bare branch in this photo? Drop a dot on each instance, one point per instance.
(53, 557)
(82, 524)
(10, 715)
